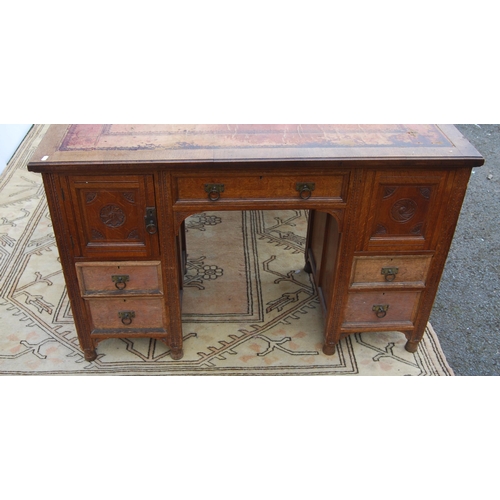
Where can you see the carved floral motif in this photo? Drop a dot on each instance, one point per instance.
(97, 235)
(129, 196)
(90, 197)
(133, 235)
(403, 210)
(112, 216)
(417, 229)
(389, 191)
(425, 192)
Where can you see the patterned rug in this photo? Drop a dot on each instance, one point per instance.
(248, 307)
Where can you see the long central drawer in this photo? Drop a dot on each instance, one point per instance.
(285, 187)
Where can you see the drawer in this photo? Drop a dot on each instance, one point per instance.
(226, 187)
(118, 278)
(134, 315)
(381, 309)
(390, 271)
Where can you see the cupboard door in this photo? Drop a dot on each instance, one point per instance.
(405, 210)
(110, 215)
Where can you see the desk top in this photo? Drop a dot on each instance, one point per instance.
(90, 144)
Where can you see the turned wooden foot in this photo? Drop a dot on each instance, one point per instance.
(329, 349)
(412, 346)
(176, 353)
(90, 354)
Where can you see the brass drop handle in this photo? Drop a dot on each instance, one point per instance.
(126, 317)
(150, 220)
(380, 310)
(213, 195)
(214, 191)
(305, 189)
(120, 280)
(390, 273)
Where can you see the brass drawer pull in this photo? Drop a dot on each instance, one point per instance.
(390, 273)
(120, 280)
(305, 189)
(150, 220)
(214, 191)
(380, 310)
(126, 317)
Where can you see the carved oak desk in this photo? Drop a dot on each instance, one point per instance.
(384, 202)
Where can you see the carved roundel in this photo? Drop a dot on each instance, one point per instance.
(112, 216)
(403, 210)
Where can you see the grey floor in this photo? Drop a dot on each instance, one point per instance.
(466, 313)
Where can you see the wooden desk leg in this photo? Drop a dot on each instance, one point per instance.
(90, 354)
(90, 350)
(329, 349)
(308, 267)
(183, 247)
(175, 317)
(173, 246)
(176, 353)
(412, 346)
(414, 338)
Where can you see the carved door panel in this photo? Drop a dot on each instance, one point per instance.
(405, 211)
(110, 216)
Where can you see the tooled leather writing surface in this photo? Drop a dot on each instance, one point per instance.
(173, 137)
